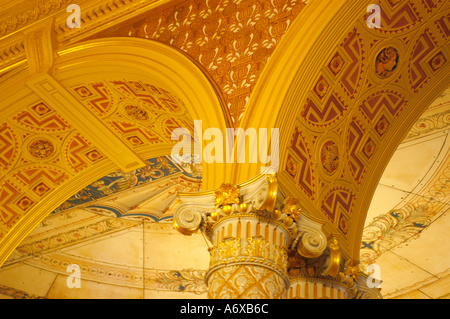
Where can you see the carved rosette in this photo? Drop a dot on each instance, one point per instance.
(41, 148)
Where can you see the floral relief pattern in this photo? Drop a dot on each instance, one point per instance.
(232, 40)
(246, 282)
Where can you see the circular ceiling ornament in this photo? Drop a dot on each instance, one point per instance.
(136, 112)
(386, 62)
(41, 148)
(330, 157)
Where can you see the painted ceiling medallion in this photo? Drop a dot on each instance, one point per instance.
(321, 87)
(386, 63)
(41, 189)
(330, 157)
(41, 109)
(83, 91)
(41, 148)
(369, 148)
(136, 112)
(24, 203)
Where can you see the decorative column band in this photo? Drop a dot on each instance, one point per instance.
(249, 239)
(317, 288)
(244, 226)
(245, 281)
(249, 256)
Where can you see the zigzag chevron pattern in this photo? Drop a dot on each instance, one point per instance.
(331, 112)
(103, 103)
(171, 124)
(379, 101)
(8, 194)
(418, 76)
(41, 119)
(128, 130)
(8, 147)
(337, 201)
(444, 25)
(306, 173)
(355, 136)
(170, 102)
(404, 17)
(74, 148)
(30, 175)
(352, 75)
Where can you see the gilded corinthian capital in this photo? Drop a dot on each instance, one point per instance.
(258, 199)
(251, 228)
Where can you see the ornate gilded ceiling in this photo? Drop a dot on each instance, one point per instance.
(41, 149)
(232, 41)
(349, 119)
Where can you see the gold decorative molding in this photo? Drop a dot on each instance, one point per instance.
(40, 46)
(328, 276)
(29, 15)
(335, 258)
(307, 287)
(257, 251)
(96, 15)
(83, 156)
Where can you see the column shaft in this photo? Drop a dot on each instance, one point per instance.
(248, 259)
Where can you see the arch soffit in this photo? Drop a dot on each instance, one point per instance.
(306, 44)
(291, 75)
(143, 59)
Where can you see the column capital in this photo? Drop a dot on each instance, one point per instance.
(251, 227)
(258, 198)
(328, 276)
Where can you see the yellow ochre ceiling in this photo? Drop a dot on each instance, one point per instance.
(104, 99)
